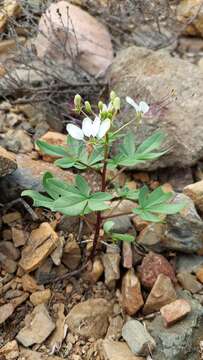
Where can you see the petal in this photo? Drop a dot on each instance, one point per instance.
(75, 132)
(87, 127)
(132, 103)
(104, 127)
(143, 107)
(96, 126)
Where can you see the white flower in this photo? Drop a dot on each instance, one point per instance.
(142, 107)
(96, 128)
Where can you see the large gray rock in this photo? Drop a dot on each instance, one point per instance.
(179, 341)
(148, 75)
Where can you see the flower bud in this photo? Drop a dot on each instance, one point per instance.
(112, 95)
(77, 101)
(117, 103)
(100, 105)
(88, 107)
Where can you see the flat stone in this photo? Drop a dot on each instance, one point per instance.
(175, 311)
(90, 318)
(162, 293)
(115, 350)
(10, 351)
(127, 255)
(132, 299)
(195, 192)
(38, 327)
(29, 283)
(12, 217)
(19, 300)
(137, 337)
(71, 254)
(189, 282)
(56, 339)
(19, 237)
(111, 262)
(6, 311)
(8, 162)
(40, 297)
(153, 265)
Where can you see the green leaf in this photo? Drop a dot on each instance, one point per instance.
(96, 205)
(65, 163)
(101, 196)
(53, 150)
(128, 146)
(143, 196)
(71, 210)
(146, 216)
(168, 209)
(45, 182)
(159, 196)
(108, 225)
(123, 237)
(39, 200)
(82, 185)
(151, 143)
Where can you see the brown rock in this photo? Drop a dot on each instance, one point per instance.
(93, 52)
(10, 351)
(71, 254)
(56, 256)
(36, 252)
(151, 235)
(29, 283)
(40, 297)
(111, 262)
(19, 236)
(18, 141)
(19, 300)
(7, 264)
(195, 192)
(7, 234)
(3, 21)
(11, 294)
(115, 328)
(59, 334)
(95, 273)
(38, 326)
(189, 282)
(52, 138)
(139, 224)
(8, 249)
(13, 217)
(132, 299)
(127, 255)
(175, 311)
(161, 294)
(12, 8)
(90, 318)
(153, 265)
(26, 354)
(199, 274)
(7, 162)
(115, 350)
(190, 13)
(6, 311)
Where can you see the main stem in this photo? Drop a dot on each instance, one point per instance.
(103, 187)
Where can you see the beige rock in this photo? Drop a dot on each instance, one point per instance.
(139, 224)
(59, 334)
(10, 351)
(58, 252)
(195, 192)
(19, 300)
(115, 350)
(162, 293)
(6, 311)
(40, 297)
(19, 237)
(38, 326)
(29, 284)
(199, 274)
(190, 13)
(7, 162)
(132, 299)
(8, 45)
(115, 328)
(111, 262)
(12, 7)
(71, 254)
(52, 138)
(90, 318)
(18, 141)
(26, 354)
(88, 39)
(37, 251)
(10, 218)
(97, 270)
(189, 282)
(175, 311)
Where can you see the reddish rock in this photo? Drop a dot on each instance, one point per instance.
(132, 299)
(52, 138)
(161, 294)
(175, 311)
(127, 255)
(153, 265)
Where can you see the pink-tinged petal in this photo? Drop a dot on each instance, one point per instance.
(87, 127)
(144, 107)
(131, 102)
(75, 132)
(104, 127)
(96, 126)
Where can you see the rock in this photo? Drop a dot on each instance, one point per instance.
(59, 334)
(19, 300)
(6, 311)
(58, 252)
(195, 192)
(29, 283)
(177, 178)
(153, 265)
(7, 264)
(132, 299)
(92, 52)
(178, 341)
(122, 224)
(12, 8)
(175, 311)
(115, 350)
(115, 328)
(71, 253)
(13, 217)
(40, 297)
(35, 355)
(111, 262)
(7, 162)
(161, 294)
(44, 272)
(199, 275)
(38, 326)
(190, 262)
(8, 249)
(19, 236)
(52, 138)
(127, 255)
(90, 318)
(189, 282)
(29, 176)
(137, 337)
(10, 351)
(181, 232)
(18, 141)
(96, 271)
(157, 73)
(37, 251)
(190, 13)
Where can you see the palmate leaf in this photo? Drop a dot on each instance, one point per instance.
(122, 237)
(108, 225)
(152, 143)
(39, 200)
(128, 194)
(53, 150)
